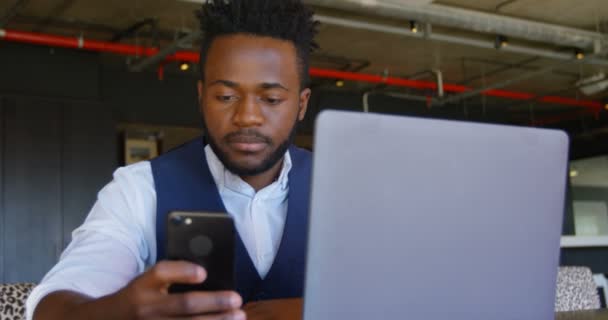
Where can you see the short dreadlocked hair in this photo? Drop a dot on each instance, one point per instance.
(286, 20)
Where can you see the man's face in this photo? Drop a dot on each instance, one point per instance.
(251, 101)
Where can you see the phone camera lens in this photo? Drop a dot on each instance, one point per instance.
(177, 220)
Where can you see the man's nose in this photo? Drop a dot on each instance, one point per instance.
(248, 113)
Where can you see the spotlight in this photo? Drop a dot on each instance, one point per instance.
(413, 27)
(580, 55)
(501, 42)
(184, 66)
(340, 83)
(573, 173)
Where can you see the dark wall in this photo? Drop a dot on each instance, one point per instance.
(58, 148)
(2, 221)
(56, 156)
(142, 98)
(596, 258)
(45, 72)
(59, 110)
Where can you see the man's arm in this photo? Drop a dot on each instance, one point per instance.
(100, 275)
(147, 297)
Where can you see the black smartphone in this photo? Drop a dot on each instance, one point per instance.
(207, 239)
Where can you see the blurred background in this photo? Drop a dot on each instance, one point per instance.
(90, 85)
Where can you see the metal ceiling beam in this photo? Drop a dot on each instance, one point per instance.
(498, 85)
(501, 84)
(57, 11)
(81, 43)
(473, 21)
(479, 43)
(506, 67)
(75, 24)
(128, 32)
(12, 11)
(167, 51)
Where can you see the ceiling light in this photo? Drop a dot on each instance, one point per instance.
(184, 66)
(501, 42)
(580, 55)
(573, 173)
(413, 27)
(340, 83)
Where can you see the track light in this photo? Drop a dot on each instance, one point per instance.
(413, 26)
(501, 42)
(573, 173)
(580, 55)
(184, 66)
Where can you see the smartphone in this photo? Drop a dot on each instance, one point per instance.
(207, 239)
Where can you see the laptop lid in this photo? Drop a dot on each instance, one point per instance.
(429, 219)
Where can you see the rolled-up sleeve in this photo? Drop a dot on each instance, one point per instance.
(115, 244)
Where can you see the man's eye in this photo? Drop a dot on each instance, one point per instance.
(226, 98)
(273, 101)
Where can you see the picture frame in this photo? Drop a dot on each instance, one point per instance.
(138, 149)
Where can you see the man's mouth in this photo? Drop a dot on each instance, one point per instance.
(247, 143)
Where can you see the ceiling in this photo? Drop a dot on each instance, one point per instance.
(590, 172)
(586, 14)
(355, 49)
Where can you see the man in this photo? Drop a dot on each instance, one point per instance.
(253, 91)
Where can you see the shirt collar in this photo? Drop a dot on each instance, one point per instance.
(225, 179)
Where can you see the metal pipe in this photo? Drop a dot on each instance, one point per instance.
(498, 85)
(486, 44)
(428, 100)
(436, 74)
(439, 79)
(169, 50)
(399, 95)
(193, 56)
(502, 84)
(503, 68)
(471, 20)
(366, 101)
(128, 32)
(503, 4)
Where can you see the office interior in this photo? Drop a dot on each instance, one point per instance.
(87, 86)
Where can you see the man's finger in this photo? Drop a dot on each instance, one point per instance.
(166, 273)
(199, 302)
(231, 315)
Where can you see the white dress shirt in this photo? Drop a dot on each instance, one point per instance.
(117, 241)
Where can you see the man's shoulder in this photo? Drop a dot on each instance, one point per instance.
(296, 151)
(189, 148)
(131, 178)
(300, 158)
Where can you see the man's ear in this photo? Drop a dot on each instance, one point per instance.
(304, 98)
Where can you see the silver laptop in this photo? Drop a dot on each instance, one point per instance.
(432, 220)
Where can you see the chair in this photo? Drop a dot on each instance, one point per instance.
(576, 290)
(12, 300)
(602, 283)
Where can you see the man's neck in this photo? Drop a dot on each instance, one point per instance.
(262, 180)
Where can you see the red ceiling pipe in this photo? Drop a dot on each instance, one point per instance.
(193, 56)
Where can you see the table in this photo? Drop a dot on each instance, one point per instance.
(291, 309)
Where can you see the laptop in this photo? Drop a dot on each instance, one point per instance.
(431, 220)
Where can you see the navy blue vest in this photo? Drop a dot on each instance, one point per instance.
(183, 182)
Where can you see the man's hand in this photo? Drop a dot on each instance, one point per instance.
(147, 297)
